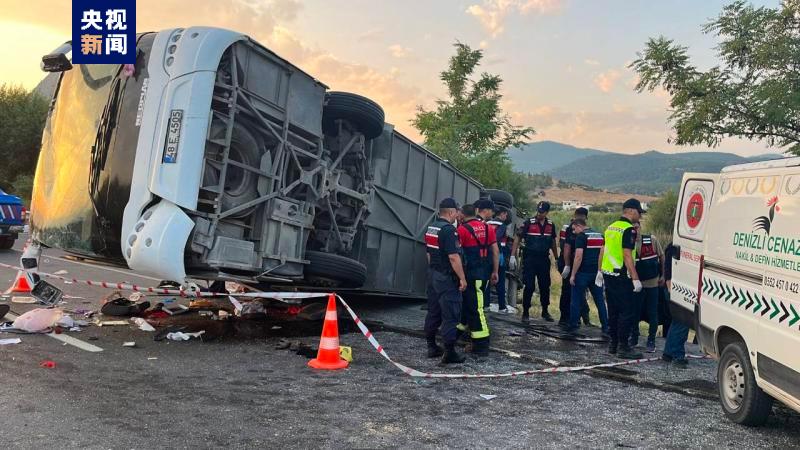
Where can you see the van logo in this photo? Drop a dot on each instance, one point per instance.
(694, 210)
(765, 222)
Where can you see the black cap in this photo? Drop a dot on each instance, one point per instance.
(500, 209)
(449, 203)
(632, 203)
(483, 203)
(582, 211)
(543, 207)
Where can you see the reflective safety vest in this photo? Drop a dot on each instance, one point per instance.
(476, 256)
(439, 261)
(647, 264)
(613, 254)
(538, 237)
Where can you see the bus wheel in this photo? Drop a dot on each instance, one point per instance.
(742, 400)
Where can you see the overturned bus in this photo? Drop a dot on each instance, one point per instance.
(214, 158)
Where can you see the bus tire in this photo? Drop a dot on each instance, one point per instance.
(364, 114)
(343, 271)
(741, 398)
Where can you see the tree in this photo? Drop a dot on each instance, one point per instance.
(22, 118)
(470, 129)
(755, 91)
(660, 218)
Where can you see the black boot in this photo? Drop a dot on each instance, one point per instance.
(451, 356)
(612, 348)
(480, 347)
(434, 350)
(546, 315)
(629, 353)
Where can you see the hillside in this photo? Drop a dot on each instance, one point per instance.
(544, 156)
(645, 173)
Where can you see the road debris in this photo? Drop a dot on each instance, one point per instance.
(129, 344)
(142, 324)
(487, 396)
(182, 336)
(47, 364)
(23, 300)
(10, 341)
(110, 323)
(38, 320)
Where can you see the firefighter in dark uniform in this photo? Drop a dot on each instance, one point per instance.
(621, 280)
(481, 255)
(566, 257)
(446, 282)
(539, 234)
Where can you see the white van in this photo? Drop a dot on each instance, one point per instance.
(736, 278)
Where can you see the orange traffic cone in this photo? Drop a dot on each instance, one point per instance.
(328, 354)
(21, 284)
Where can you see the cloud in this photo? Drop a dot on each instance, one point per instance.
(267, 21)
(400, 52)
(606, 80)
(591, 62)
(492, 14)
(371, 35)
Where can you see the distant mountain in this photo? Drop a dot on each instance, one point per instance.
(545, 156)
(646, 173)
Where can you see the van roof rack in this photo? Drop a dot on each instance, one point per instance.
(770, 164)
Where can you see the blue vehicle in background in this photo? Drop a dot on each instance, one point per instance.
(12, 219)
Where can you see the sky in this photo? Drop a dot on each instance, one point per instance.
(563, 62)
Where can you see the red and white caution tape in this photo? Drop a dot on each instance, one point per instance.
(418, 374)
(364, 330)
(177, 292)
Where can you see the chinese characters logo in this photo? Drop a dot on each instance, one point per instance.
(104, 31)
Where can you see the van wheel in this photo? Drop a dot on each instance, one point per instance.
(364, 114)
(341, 270)
(6, 243)
(742, 400)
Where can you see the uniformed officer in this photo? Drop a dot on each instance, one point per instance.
(539, 235)
(500, 223)
(446, 282)
(481, 257)
(621, 279)
(566, 256)
(588, 244)
(650, 267)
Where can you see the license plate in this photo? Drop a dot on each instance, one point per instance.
(173, 136)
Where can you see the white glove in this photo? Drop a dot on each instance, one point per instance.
(565, 272)
(512, 263)
(598, 280)
(637, 286)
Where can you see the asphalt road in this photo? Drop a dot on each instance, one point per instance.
(241, 391)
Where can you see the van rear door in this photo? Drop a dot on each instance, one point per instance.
(697, 195)
(778, 354)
